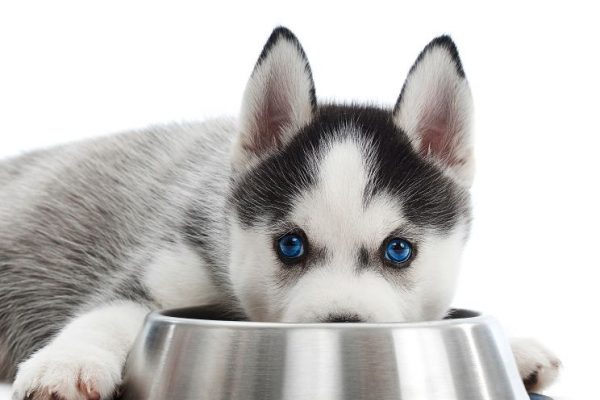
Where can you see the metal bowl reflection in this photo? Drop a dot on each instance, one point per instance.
(201, 353)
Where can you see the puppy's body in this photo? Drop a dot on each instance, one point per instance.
(95, 234)
(85, 224)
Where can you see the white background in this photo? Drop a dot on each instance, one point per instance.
(71, 70)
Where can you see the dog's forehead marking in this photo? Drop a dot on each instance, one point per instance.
(334, 213)
(343, 176)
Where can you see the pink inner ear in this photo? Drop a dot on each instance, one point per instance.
(272, 117)
(438, 139)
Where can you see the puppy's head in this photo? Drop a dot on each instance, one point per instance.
(344, 212)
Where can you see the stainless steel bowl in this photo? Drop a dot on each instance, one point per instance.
(200, 353)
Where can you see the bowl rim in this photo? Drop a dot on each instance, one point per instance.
(162, 316)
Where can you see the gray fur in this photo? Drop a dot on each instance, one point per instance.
(78, 222)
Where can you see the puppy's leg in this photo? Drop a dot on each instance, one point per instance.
(537, 365)
(85, 360)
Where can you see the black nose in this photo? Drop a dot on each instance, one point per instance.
(343, 318)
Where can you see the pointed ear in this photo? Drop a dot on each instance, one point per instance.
(279, 99)
(435, 108)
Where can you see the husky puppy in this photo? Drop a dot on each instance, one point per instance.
(297, 211)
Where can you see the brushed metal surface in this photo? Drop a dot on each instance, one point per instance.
(188, 354)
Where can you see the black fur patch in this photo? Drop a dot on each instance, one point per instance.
(363, 258)
(284, 33)
(343, 317)
(428, 197)
(532, 380)
(458, 313)
(442, 41)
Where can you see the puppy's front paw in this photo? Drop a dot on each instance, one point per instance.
(68, 373)
(537, 365)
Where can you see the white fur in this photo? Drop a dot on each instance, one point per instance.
(333, 213)
(435, 271)
(334, 217)
(436, 97)
(533, 358)
(85, 360)
(280, 80)
(178, 277)
(335, 289)
(251, 267)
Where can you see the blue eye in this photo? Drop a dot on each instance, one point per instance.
(398, 250)
(290, 247)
